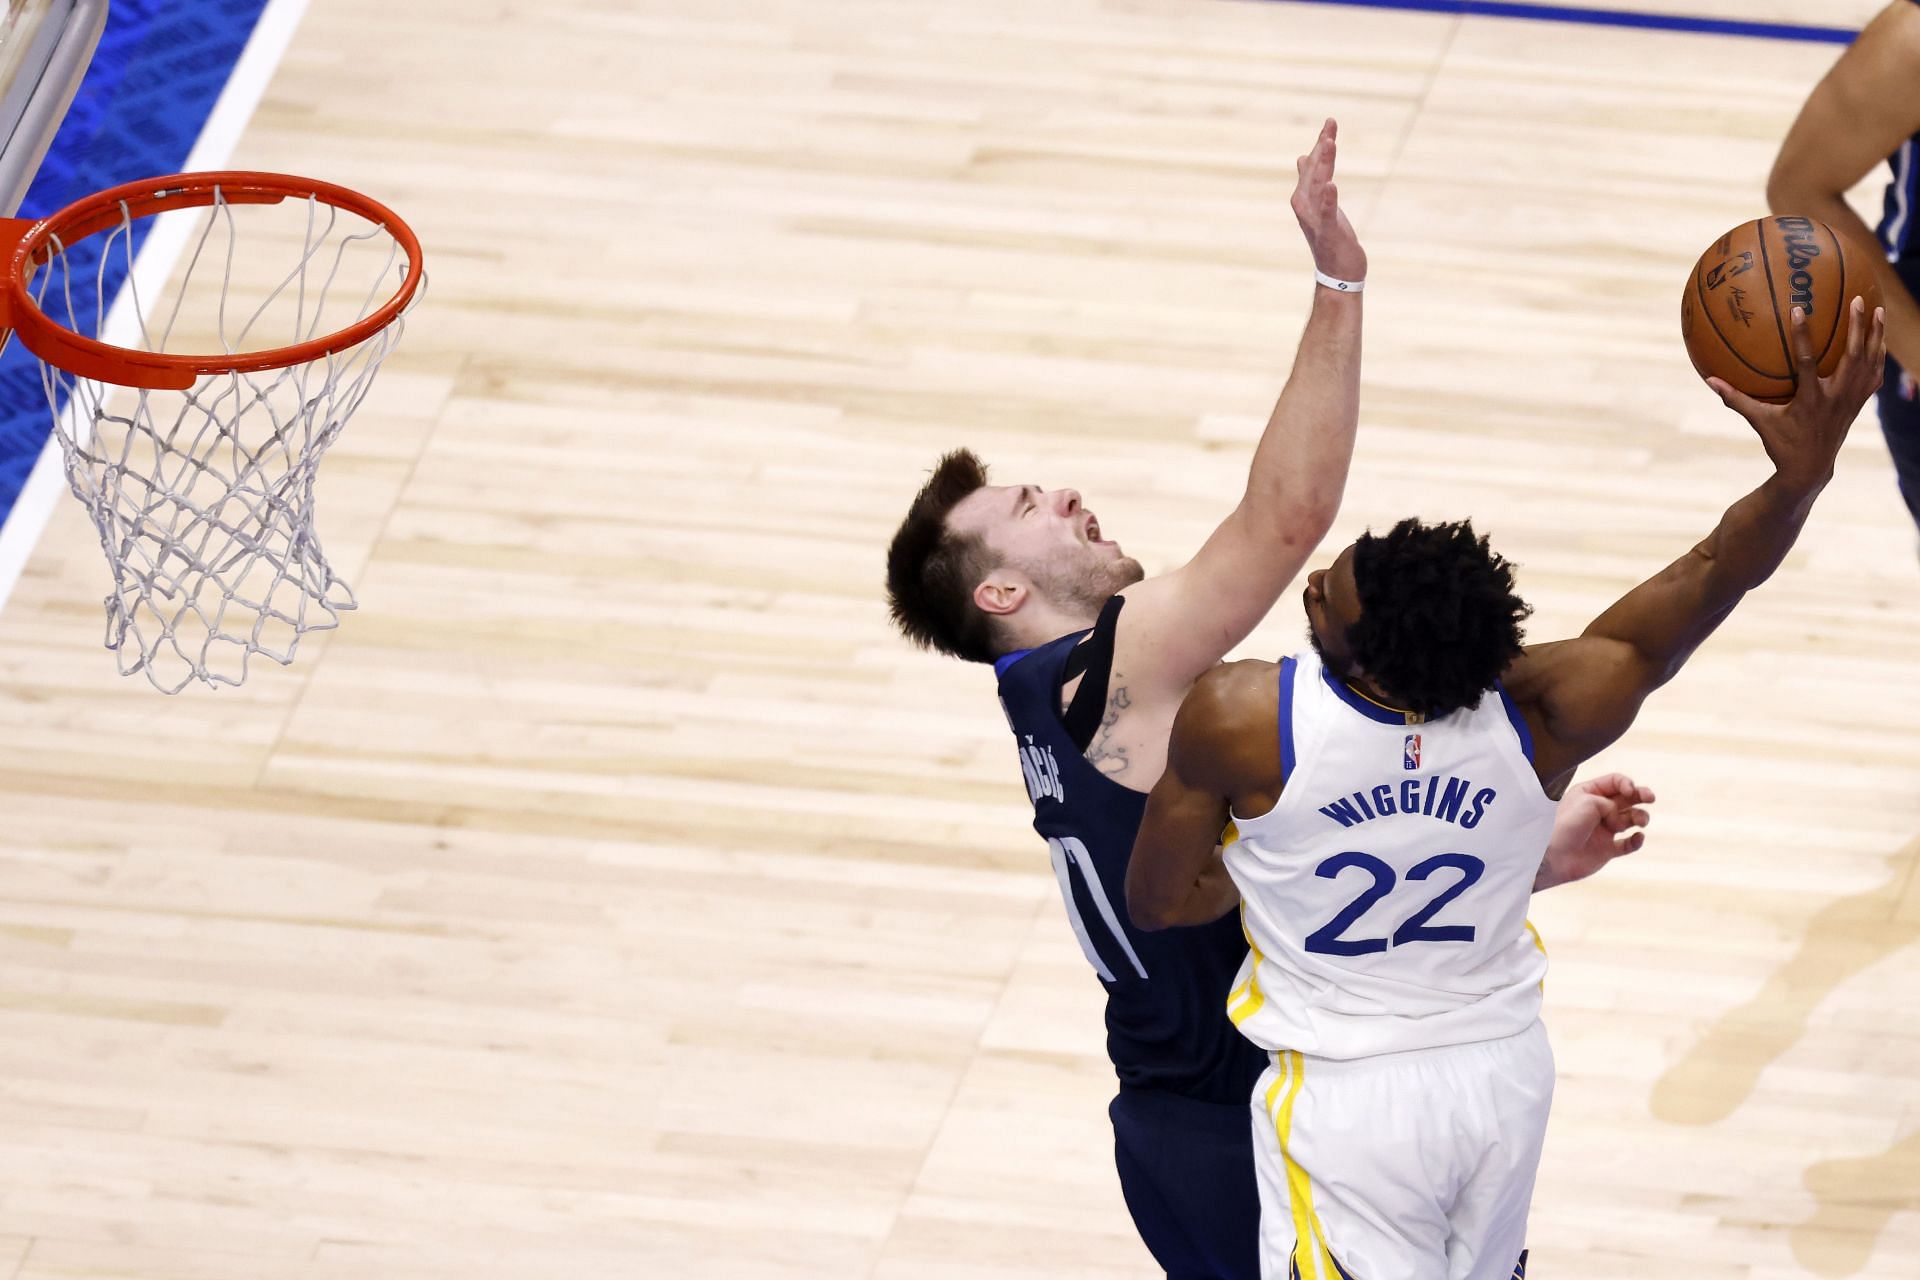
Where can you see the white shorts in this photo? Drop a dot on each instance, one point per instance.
(1407, 1166)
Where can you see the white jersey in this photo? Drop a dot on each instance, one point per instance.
(1385, 895)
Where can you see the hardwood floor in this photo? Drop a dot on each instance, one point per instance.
(614, 895)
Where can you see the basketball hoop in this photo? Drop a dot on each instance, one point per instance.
(199, 469)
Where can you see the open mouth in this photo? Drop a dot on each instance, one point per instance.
(1093, 530)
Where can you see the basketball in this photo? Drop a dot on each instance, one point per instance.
(1735, 312)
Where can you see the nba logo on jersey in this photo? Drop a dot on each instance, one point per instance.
(1412, 756)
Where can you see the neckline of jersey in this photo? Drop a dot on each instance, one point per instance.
(1368, 707)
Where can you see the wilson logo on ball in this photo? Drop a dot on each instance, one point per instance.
(1803, 246)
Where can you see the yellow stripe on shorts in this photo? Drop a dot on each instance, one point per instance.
(1312, 1260)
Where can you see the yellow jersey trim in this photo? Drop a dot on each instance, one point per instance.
(1246, 1000)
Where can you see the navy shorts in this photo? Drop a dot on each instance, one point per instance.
(1186, 1168)
(1900, 423)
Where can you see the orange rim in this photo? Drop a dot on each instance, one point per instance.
(24, 242)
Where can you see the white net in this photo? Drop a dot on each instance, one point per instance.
(204, 499)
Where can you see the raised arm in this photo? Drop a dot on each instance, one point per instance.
(1867, 105)
(1579, 695)
(1183, 622)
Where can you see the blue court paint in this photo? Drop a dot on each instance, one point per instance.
(153, 81)
(1612, 18)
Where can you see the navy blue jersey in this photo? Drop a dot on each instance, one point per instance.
(1899, 212)
(1167, 1026)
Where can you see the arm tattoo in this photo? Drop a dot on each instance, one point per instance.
(1104, 754)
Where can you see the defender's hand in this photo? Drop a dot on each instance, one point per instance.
(1803, 436)
(1598, 820)
(1316, 203)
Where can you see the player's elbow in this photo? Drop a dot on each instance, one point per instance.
(1316, 520)
(1147, 915)
(1311, 515)
(1295, 522)
(1781, 191)
(1789, 191)
(1149, 911)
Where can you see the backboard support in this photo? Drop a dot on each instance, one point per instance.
(45, 46)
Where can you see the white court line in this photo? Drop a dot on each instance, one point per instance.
(232, 111)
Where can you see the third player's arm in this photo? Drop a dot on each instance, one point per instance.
(1183, 622)
(1867, 105)
(1583, 693)
(1598, 820)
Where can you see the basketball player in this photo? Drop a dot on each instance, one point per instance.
(1023, 578)
(1390, 793)
(1867, 107)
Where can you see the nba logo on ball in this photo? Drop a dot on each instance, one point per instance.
(1412, 755)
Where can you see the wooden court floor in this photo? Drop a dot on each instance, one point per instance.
(614, 896)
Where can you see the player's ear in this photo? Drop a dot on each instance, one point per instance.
(1001, 593)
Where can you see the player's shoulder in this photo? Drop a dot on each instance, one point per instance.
(1228, 700)
(1541, 667)
(1233, 684)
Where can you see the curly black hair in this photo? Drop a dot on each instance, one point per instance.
(1438, 618)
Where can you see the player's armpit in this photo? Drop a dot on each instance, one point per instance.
(1223, 742)
(1181, 624)
(1579, 696)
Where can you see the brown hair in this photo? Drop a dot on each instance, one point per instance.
(932, 571)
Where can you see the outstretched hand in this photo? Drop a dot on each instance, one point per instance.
(1803, 436)
(1316, 203)
(1598, 820)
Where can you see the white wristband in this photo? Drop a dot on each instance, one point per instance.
(1338, 286)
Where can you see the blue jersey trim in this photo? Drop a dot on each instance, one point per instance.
(1586, 16)
(1519, 721)
(1287, 668)
(1371, 710)
(1005, 660)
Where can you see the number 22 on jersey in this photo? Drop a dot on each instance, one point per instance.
(1328, 939)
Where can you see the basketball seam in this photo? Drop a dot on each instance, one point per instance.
(1707, 311)
(1844, 302)
(1779, 325)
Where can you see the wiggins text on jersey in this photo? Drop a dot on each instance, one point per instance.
(1427, 797)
